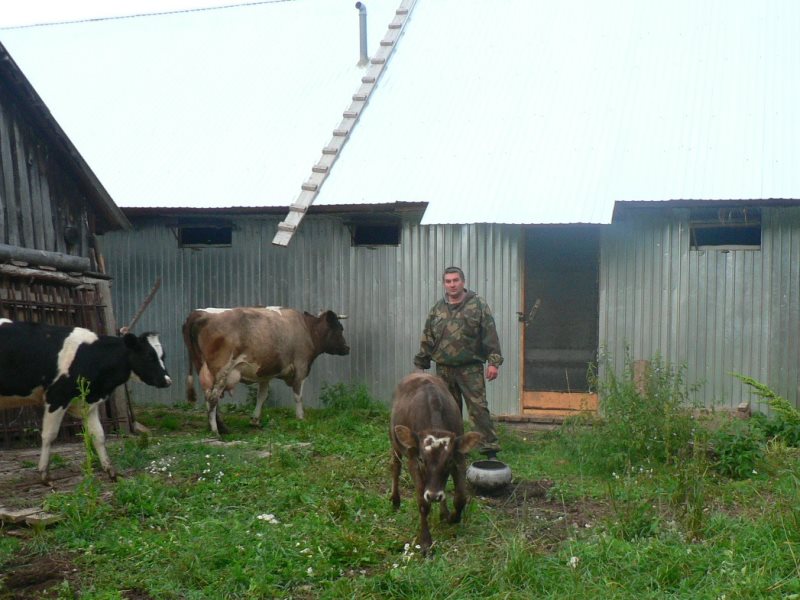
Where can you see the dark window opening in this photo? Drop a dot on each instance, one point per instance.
(376, 235)
(725, 229)
(205, 236)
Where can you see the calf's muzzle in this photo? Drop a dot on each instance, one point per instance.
(434, 496)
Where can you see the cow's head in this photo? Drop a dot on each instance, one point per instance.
(333, 337)
(436, 453)
(146, 357)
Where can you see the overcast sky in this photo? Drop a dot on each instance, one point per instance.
(20, 13)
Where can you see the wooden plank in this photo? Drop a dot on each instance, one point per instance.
(25, 204)
(37, 201)
(2, 181)
(7, 164)
(559, 401)
(17, 516)
(47, 214)
(550, 413)
(41, 519)
(35, 399)
(118, 400)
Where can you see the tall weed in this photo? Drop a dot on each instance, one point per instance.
(691, 490)
(635, 514)
(644, 421)
(784, 423)
(342, 396)
(86, 511)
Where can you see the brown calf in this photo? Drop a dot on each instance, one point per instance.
(427, 427)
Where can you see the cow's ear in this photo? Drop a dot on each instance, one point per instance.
(131, 341)
(405, 436)
(468, 441)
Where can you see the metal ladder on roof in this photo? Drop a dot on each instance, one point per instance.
(319, 172)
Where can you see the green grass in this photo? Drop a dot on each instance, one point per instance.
(301, 510)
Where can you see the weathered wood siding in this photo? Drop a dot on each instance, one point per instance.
(714, 311)
(39, 199)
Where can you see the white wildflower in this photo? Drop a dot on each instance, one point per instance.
(269, 518)
(573, 562)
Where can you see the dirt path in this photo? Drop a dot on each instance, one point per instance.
(20, 484)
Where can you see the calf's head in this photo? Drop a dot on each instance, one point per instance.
(333, 341)
(146, 357)
(436, 453)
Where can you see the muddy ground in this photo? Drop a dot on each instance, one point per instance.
(28, 577)
(20, 484)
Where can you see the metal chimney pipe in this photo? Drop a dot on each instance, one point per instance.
(362, 26)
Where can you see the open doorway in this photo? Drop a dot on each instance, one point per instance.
(560, 340)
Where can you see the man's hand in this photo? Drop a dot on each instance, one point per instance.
(491, 372)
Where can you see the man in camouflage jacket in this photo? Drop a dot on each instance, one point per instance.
(460, 336)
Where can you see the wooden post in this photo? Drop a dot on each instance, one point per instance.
(118, 399)
(641, 370)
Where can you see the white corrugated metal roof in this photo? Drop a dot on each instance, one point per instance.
(226, 107)
(533, 111)
(521, 111)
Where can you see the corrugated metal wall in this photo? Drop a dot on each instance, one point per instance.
(714, 311)
(386, 292)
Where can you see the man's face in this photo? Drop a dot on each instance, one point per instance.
(453, 285)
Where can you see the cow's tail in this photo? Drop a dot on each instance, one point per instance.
(190, 340)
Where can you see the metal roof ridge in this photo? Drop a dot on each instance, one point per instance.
(309, 190)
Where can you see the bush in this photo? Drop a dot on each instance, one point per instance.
(778, 428)
(341, 396)
(642, 422)
(738, 449)
(784, 424)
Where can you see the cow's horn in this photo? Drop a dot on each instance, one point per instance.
(341, 317)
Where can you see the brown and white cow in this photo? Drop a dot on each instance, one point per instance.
(427, 427)
(255, 345)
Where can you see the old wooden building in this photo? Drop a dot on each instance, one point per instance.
(53, 211)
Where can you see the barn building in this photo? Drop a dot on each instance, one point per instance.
(53, 212)
(626, 171)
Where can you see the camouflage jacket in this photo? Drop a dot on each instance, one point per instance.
(460, 334)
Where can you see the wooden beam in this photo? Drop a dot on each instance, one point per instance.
(559, 401)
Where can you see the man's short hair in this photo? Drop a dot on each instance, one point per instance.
(454, 270)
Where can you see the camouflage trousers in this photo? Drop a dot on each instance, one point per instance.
(467, 382)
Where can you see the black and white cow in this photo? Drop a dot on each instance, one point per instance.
(42, 364)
